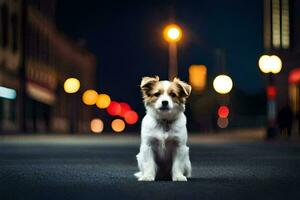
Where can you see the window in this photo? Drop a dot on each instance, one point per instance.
(285, 27)
(280, 24)
(15, 32)
(4, 25)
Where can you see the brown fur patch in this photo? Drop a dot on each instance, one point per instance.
(184, 88)
(151, 89)
(176, 93)
(153, 94)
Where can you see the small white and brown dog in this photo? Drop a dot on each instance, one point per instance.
(163, 150)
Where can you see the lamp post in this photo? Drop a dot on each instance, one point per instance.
(172, 34)
(270, 65)
(223, 85)
(71, 86)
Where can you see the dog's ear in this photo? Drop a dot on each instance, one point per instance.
(147, 84)
(184, 87)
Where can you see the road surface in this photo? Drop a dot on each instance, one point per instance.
(80, 168)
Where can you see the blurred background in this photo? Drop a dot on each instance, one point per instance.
(73, 67)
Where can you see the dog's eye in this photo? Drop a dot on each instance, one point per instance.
(156, 94)
(172, 94)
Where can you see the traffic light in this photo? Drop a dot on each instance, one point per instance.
(223, 113)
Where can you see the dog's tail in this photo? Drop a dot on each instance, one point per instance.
(138, 174)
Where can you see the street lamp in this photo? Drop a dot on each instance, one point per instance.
(270, 65)
(223, 85)
(172, 34)
(71, 86)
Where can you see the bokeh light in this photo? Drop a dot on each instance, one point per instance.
(118, 125)
(271, 92)
(270, 64)
(90, 97)
(97, 125)
(103, 101)
(223, 111)
(222, 122)
(114, 108)
(276, 64)
(7, 93)
(71, 85)
(197, 77)
(172, 33)
(223, 84)
(131, 117)
(125, 107)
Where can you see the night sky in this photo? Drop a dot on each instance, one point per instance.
(126, 37)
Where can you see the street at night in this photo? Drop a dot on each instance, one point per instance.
(65, 167)
(149, 99)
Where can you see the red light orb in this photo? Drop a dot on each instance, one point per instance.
(114, 108)
(223, 111)
(125, 107)
(131, 117)
(271, 92)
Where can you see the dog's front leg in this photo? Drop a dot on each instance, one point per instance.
(147, 163)
(179, 162)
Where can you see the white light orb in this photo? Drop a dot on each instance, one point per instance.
(223, 84)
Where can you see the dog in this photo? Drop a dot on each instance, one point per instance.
(163, 151)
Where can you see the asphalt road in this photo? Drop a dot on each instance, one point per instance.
(83, 170)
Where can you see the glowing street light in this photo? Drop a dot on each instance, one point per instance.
(223, 84)
(270, 64)
(71, 85)
(172, 33)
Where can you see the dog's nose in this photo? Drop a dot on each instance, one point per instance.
(164, 103)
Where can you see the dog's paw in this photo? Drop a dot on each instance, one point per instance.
(179, 178)
(146, 178)
(138, 174)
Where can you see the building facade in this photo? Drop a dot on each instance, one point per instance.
(282, 37)
(35, 60)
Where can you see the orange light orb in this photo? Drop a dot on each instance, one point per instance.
(90, 97)
(114, 108)
(172, 33)
(96, 125)
(125, 107)
(118, 125)
(131, 117)
(103, 101)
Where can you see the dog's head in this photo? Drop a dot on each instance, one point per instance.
(165, 98)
